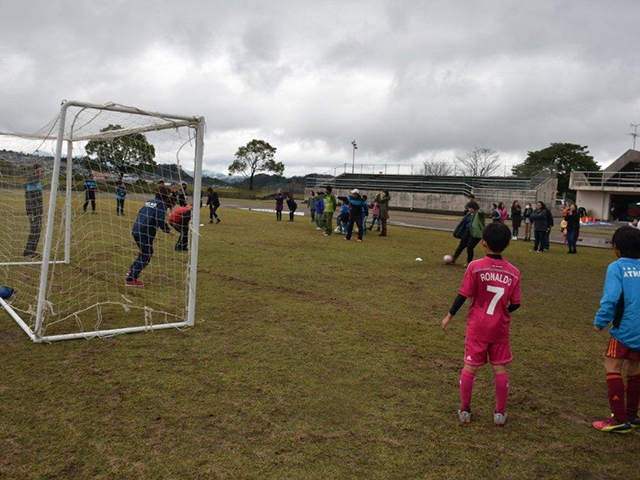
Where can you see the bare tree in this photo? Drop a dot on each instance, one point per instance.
(481, 162)
(437, 168)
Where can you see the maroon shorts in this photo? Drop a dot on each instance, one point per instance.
(477, 353)
(617, 350)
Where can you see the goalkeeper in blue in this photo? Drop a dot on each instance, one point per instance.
(620, 307)
(150, 219)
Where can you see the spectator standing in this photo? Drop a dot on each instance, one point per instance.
(181, 195)
(540, 220)
(213, 202)
(90, 188)
(319, 206)
(35, 210)
(365, 214)
(495, 213)
(356, 204)
(311, 204)
(516, 219)
(279, 198)
(121, 193)
(547, 235)
(329, 208)
(293, 206)
(503, 212)
(375, 213)
(573, 227)
(384, 211)
(526, 214)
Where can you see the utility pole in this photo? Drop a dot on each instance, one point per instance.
(635, 133)
(353, 163)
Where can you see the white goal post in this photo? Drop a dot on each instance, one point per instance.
(91, 170)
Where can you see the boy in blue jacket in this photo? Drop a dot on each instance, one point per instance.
(150, 219)
(620, 306)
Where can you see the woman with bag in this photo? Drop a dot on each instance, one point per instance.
(472, 234)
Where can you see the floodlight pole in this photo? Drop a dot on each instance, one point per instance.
(353, 162)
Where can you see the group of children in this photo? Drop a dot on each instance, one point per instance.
(493, 284)
(354, 212)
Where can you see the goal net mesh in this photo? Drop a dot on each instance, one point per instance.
(90, 230)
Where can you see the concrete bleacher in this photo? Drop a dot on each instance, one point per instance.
(442, 193)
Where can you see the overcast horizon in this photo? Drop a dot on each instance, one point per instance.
(409, 81)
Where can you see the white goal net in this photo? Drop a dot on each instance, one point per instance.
(72, 194)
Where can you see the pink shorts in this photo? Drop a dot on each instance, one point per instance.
(476, 353)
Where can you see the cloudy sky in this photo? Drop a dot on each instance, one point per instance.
(408, 80)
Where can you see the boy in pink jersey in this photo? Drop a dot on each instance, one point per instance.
(494, 287)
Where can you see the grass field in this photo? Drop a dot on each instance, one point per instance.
(318, 358)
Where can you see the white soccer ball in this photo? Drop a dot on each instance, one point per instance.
(418, 259)
(202, 224)
(447, 259)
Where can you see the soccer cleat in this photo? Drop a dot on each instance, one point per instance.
(611, 425)
(133, 283)
(358, 240)
(634, 422)
(465, 417)
(499, 419)
(218, 220)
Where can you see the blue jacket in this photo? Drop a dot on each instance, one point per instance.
(356, 205)
(90, 187)
(620, 303)
(150, 218)
(33, 196)
(121, 193)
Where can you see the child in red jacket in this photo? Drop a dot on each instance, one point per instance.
(179, 219)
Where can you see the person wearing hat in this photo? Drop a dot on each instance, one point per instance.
(150, 219)
(356, 205)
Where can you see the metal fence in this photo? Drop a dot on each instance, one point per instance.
(626, 180)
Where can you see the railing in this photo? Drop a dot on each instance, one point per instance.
(604, 180)
(423, 184)
(375, 169)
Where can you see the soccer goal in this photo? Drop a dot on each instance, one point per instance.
(71, 193)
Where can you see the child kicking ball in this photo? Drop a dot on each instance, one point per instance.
(493, 285)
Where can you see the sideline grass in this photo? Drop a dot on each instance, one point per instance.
(318, 358)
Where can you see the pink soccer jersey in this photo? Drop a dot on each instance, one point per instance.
(492, 285)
